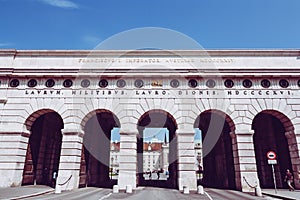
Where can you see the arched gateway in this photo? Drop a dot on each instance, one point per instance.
(43, 152)
(128, 118)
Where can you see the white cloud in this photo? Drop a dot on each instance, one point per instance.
(91, 40)
(5, 44)
(61, 3)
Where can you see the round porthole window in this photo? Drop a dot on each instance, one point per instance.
(85, 83)
(121, 83)
(265, 83)
(298, 83)
(32, 83)
(50, 83)
(138, 83)
(228, 83)
(210, 83)
(247, 83)
(284, 83)
(68, 83)
(14, 83)
(174, 83)
(103, 83)
(193, 83)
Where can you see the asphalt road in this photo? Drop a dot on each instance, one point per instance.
(147, 193)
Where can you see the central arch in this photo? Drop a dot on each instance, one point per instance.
(218, 162)
(99, 141)
(157, 143)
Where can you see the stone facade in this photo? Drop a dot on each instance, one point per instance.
(242, 87)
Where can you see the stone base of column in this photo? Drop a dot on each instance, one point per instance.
(187, 179)
(69, 166)
(127, 178)
(186, 161)
(127, 160)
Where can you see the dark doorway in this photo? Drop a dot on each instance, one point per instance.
(96, 166)
(218, 164)
(269, 134)
(43, 151)
(157, 136)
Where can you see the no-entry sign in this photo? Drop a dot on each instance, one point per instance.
(271, 155)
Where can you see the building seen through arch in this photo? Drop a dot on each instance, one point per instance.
(170, 119)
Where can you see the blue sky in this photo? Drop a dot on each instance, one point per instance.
(214, 24)
(149, 133)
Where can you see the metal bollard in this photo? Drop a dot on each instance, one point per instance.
(128, 189)
(57, 189)
(258, 191)
(186, 190)
(115, 189)
(200, 189)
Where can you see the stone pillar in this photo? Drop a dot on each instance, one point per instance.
(70, 157)
(186, 160)
(12, 157)
(244, 161)
(128, 159)
(294, 144)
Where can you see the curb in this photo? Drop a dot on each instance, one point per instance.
(278, 196)
(32, 195)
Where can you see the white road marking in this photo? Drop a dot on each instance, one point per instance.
(208, 195)
(106, 196)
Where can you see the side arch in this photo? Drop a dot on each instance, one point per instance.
(44, 147)
(273, 130)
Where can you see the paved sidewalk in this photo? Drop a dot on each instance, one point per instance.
(282, 193)
(24, 191)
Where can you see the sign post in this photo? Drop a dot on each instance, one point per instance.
(271, 155)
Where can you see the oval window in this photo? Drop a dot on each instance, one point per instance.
(121, 83)
(228, 83)
(174, 83)
(138, 83)
(284, 83)
(68, 83)
(14, 83)
(50, 83)
(103, 83)
(32, 83)
(210, 83)
(193, 83)
(247, 83)
(85, 83)
(265, 83)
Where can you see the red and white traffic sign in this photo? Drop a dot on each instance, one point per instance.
(271, 155)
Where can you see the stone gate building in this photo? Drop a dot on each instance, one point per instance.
(58, 110)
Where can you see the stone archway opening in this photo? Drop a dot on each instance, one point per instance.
(100, 152)
(44, 148)
(271, 129)
(157, 150)
(216, 165)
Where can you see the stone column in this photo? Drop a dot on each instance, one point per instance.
(70, 157)
(128, 158)
(12, 157)
(244, 161)
(186, 160)
(294, 144)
